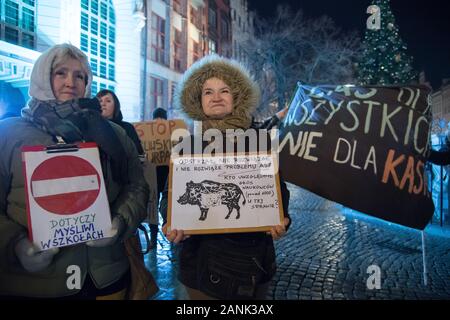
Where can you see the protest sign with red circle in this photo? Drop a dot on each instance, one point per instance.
(65, 185)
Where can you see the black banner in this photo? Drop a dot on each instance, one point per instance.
(363, 147)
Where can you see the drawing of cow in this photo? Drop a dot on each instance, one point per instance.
(207, 194)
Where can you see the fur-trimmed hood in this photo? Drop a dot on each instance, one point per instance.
(245, 90)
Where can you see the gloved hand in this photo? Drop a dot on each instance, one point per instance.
(117, 226)
(31, 259)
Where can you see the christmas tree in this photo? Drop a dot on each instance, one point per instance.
(384, 60)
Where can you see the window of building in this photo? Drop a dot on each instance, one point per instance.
(28, 19)
(84, 21)
(18, 22)
(12, 13)
(84, 42)
(156, 93)
(27, 40)
(85, 4)
(11, 35)
(212, 16)
(103, 30)
(177, 6)
(94, 7)
(196, 18)
(102, 86)
(195, 51)
(158, 39)
(103, 50)
(212, 46)
(112, 34)
(224, 28)
(104, 10)
(94, 26)
(103, 69)
(94, 46)
(110, 87)
(94, 66)
(97, 38)
(112, 16)
(94, 87)
(111, 72)
(112, 53)
(177, 50)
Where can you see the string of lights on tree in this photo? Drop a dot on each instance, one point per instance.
(384, 60)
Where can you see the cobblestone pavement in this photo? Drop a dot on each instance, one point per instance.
(327, 252)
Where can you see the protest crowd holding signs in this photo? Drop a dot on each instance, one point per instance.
(363, 147)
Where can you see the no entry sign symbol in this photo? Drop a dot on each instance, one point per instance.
(65, 185)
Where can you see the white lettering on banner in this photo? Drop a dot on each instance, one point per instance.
(352, 114)
(50, 187)
(304, 144)
(343, 145)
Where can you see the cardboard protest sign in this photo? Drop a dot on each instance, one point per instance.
(220, 194)
(364, 147)
(66, 198)
(155, 138)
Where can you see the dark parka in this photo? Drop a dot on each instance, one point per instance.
(224, 266)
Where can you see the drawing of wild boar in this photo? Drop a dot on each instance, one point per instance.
(207, 194)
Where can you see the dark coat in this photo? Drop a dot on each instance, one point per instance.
(441, 158)
(201, 255)
(267, 124)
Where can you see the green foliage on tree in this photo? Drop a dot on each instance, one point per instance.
(385, 60)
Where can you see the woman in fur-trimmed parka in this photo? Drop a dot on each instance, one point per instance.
(221, 94)
(60, 110)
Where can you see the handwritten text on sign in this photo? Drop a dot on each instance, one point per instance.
(224, 194)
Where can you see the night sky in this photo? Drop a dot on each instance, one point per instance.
(424, 26)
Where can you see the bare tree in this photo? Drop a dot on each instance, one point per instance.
(288, 48)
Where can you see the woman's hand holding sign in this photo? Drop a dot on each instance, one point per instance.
(174, 235)
(117, 226)
(279, 231)
(31, 258)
